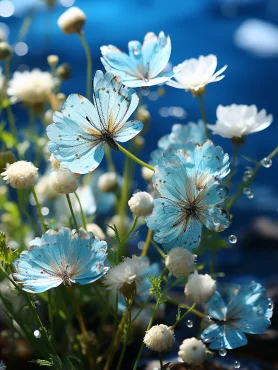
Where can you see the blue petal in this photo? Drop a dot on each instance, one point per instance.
(215, 218)
(223, 337)
(128, 131)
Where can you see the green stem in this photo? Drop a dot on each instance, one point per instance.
(10, 115)
(50, 316)
(195, 312)
(184, 315)
(158, 249)
(247, 183)
(110, 163)
(124, 197)
(147, 243)
(24, 211)
(72, 213)
(39, 208)
(161, 360)
(89, 64)
(81, 211)
(122, 243)
(203, 113)
(229, 179)
(126, 336)
(134, 158)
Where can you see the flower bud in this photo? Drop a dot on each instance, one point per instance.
(180, 262)
(72, 20)
(139, 142)
(200, 288)
(63, 181)
(159, 338)
(61, 98)
(64, 71)
(5, 51)
(141, 204)
(192, 351)
(20, 175)
(147, 174)
(52, 60)
(108, 182)
(96, 230)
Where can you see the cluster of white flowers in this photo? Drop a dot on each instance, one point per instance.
(20, 174)
(160, 338)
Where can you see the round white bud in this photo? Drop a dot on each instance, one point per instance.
(143, 114)
(141, 204)
(48, 117)
(159, 338)
(147, 174)
(54, 162)
(96, 230)
(192, 351)
(63, 181)
(180, 262)
(108, 182)
(72, 20)
(20, 175)
(52, 60)
(200, 288)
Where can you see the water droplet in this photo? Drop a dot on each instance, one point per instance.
(189, 323)
(246, 191)
(209, 318)
(250, 195)
(270, 304)
(136, 51)
(236, 365)
(232, 239)
(248, 172)
(37, 333)
(266, 162)
(222, 352)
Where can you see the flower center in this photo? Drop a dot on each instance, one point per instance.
(191, 210)
(66, 275)
(108, 138)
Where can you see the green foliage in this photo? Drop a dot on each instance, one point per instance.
(6, 255)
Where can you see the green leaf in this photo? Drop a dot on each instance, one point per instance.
(249, 159)
(8, 139)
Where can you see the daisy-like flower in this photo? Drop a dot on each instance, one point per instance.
(194, 74)
(81, 130)
(61, 257)
(179, 137)
(31, 87)
(188, 182)
(237, 121)
(235, 310)
(145, 63)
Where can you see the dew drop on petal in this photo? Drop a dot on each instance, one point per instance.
(136, 51)
(250, 195)
(232, 239)
(270, 304)
(222, 352)
(37, 333)
(189, 323)
(236, 365)
(266, 162)
(246, 191)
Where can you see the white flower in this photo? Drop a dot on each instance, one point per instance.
(159, 338)
(44, 189)
(147, 174)
(195, 74)
(54, 162)
(200, 288)
(31, 87)
(129, 272)
(192, 351)
(237, 121)
(116, 220)
(141, 204)
(20, 175)
(108, 182)
(72, 20)
(180, 262)
(96, 230)
(63, 181)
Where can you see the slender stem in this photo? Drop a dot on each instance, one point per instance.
(161, 360)
(159, 250)
(229, 179)
(39, 208)
(110, 163)
(9, 108)
(89, 64)
(122, 243)
(82, 325)
(50, 315)
(124, 196)
(147, 243)
(247, 183)
(134, 158)
(72, 213)
(81, 211)
(24, 211)
(184, 315)
(126, 336)
(203, 113)
(195, 312)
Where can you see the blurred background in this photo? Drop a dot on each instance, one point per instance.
(242, 34)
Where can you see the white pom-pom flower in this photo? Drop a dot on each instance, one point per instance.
(159, 338)
(200, 288)
(20, 175)
(194, 74)
(63, 181)
(72, 20)
(108, 182)
(96, 230)
(180, 262)
(31, 87)
(237, 121)
(141, 204)
(192, 351)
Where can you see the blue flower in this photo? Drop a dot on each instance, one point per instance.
(180, 136)
(81, 130)
(236, 310)
(145, 63)
(61, 257)
(188, 182)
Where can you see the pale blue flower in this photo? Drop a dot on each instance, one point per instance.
(188, 182)
(81, 130)
(180, 136)
(61, 257)
(145, 63)
(234, 310)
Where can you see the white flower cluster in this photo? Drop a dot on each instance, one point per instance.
(20, 174)
(159, 338)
